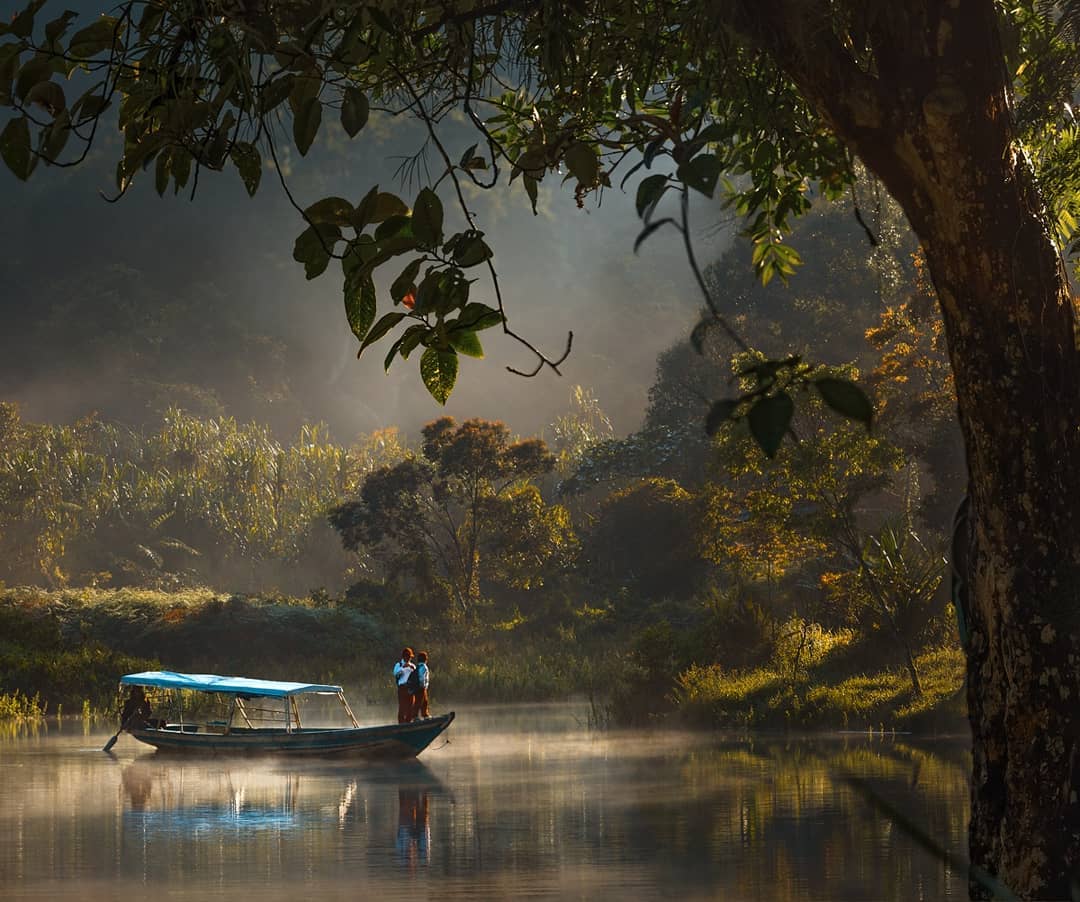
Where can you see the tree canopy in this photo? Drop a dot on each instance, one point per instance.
(465, 499)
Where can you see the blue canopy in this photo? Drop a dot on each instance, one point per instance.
(208, 682)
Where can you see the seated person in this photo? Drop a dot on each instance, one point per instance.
(136, 711)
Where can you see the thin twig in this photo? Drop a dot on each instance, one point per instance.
(542, 359)
(684, 205)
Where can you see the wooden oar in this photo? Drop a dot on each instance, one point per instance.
(123, 726)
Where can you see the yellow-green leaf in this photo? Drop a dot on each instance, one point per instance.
(439, 370)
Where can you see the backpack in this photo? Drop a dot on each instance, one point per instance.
(413, 682)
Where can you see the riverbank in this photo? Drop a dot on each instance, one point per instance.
(828, 697)
(62, 652)
(66, 648)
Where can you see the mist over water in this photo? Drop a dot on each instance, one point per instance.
(524, 801)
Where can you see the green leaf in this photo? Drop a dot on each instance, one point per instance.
(385, 205)
(400, 243)
(467, 157)
(332, 210)
(649, 193)
(384, 325)
(412, 337)
(393, 227)
(439, 370)
(149, 20)
(135, 156)
(429, 293)
(649, 229)
(161, 172)
(466, 342)
(846, 398)
(91, 40)
(22, 25)
(313, 248)
(531, 190)
(360, 303)
(700, 173)
(364, 210)
(9, 65)
(273, 93)
(477, 317)
(427, 218)
(34, 72)
(290, 55)
(59, 25)
(404, 344)
(354, 111)
(306, 124)
(49, 95)
(769, 420)
(471, 249)
(248, 163)
(358, 254)
(719, 413)
(181, 168)
(15, 148)
(89, 106)
(652, 150)
(583, 163)
(55, 136)
(405, 282)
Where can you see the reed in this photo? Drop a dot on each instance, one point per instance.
(16, 706)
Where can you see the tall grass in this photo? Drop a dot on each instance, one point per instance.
(768, 697)
(16, 706)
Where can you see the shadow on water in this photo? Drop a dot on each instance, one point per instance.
(522, 802)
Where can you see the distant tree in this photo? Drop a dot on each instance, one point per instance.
(915, 395)
(764, 520)
(193, 500)
(50, 492)
(465, 497)
(584, 425)
(645, 536)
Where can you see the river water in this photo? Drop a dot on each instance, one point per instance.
(523, 802)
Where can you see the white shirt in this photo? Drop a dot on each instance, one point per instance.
(402, 671)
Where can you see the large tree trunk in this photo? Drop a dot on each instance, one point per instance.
(932, 120)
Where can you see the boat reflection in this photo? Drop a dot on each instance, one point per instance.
(175, 814)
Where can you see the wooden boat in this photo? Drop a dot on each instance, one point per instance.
(238, 715)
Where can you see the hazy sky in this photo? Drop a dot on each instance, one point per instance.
(564, 269)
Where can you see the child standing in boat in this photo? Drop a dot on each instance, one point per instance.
(402, 671)
(421, 698)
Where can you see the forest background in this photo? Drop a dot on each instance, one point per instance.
(197, 516)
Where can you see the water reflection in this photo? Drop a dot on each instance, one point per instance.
(219, 818)
(522, 802)
(414, 827)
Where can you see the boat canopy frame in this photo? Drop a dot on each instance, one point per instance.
(239, 689)
(244, 687)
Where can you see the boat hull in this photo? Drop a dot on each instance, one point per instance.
(405, 740)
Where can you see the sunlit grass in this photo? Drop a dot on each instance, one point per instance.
(527, 672)
(821, 698)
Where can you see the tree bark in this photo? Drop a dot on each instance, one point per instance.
(932, 119)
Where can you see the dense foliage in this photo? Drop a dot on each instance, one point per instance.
(694, 571)
(195, 500)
